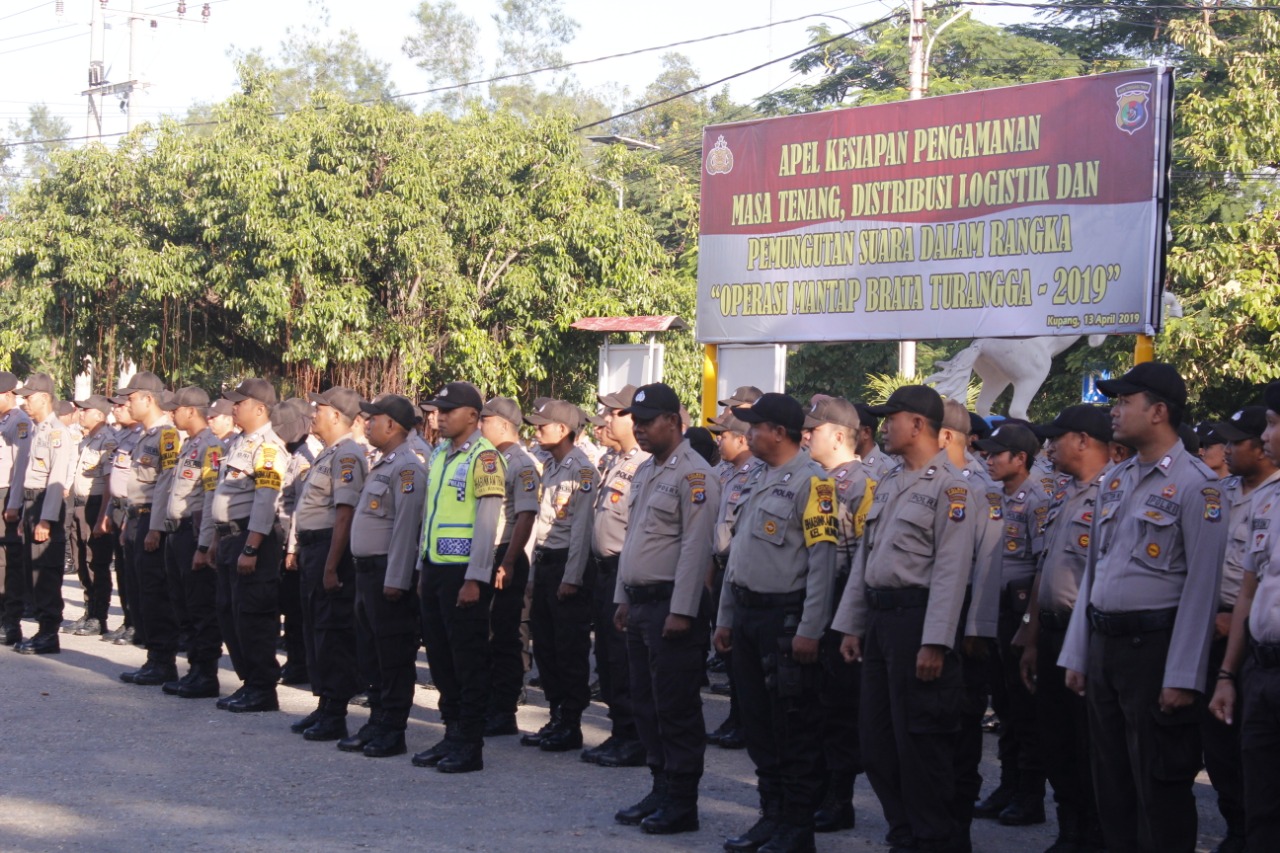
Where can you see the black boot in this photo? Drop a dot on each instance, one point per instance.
(300, 726)
(500, 725)
(1068, 840)
(331, 725)
(790, 838)
(225, 702)
(204, 681)
(170, 688)
(1027, 806)
(679, 811)
(367, 732)
(567, 736)
(155, 673)
(999, 799)
(433, 756)
(836, 811)
(762, 831)
(535, 738)
(466, 756)
(633, 815)
(386, 743)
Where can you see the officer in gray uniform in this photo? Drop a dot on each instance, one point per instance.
(876, 461)
(901, 613)
(563, 578)
(320, 543)
(609, 528)
(115, 515)
(664, 607)
(1141, 643)
(292, 422)
(44, 532)
(15, 439)
(385, 533)
(1011, 453)
(1078, 439)
(781, 591)
(238, 528)
(500, 421)
(90, 550)
(154, 459)
(832, 427)
(194, 477)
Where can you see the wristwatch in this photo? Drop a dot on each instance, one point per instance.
(1026, 618)
(250, 551)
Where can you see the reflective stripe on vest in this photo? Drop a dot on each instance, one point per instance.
(451, 511)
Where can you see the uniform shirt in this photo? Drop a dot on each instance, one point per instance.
(488, 502)
(609, 524)
(606, 461)
(15, 441)
(524, 477)
(1022, 514)
(295, 472)
(878, 463)
(96, 451)
(153, 459)
(785, 541)
(1157, 542)
(249, 481)
(986, 498)
(186, 493)
(1264, 561)
(419, 446)
(335, 479)
(673, 512)
(121, 472)
(854, 491)
(564, 516)
(920, 534)
(734, 491)
(388, 517)
(1068, 530)
(48, 465)
(1239, 529)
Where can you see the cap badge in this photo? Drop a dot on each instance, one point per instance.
(639, 397)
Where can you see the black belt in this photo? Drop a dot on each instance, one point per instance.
(650, 592)
(79, 501)
(1123, 624)
(1055, 620)
(140, 509)
(364, 565)
(543, 555)
(606, 565)
(897, 599)
(312, 537)
(31, 494)
(722, 563)
(231, 528)
(1267, 655)
(119, 503)
(184, 523)
(750, 598)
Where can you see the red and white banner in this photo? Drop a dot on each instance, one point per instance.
(1017, 212)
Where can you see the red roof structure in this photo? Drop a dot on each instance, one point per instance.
(630, 324)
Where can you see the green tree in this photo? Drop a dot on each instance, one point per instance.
(27, 153)
(445, 46)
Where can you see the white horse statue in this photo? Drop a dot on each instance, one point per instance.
(1023, 363)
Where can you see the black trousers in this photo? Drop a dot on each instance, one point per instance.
(47, 560)
(1260, 747)
(387, 638)
(252, 610)
(224, 571)
(784, 733)
(1019, 745)
(1222, 752)
(295, 632)
(329, 626)
(199, 620)
(158, 612)
(14, 572)
(561, 636)
(130, 581)
(1064, 731)
(838, 687)
(611, 651)
(732, 721)
(974, 670)
(908, 728)
(506, 646)
(457, 640)
(1144, 762)
(122, 557)
(666, 686)
(91, 556)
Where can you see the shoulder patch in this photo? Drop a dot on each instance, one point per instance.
(489, 477)
(406, 481)
(956, 498)
(168, 448)
(265, 475)
(586, 478)
(820, 512)
(1212, 504)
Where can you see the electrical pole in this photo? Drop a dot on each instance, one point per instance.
(97, 72)
(134, 19)
(907, 349)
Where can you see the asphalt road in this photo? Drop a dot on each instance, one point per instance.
(90, 764)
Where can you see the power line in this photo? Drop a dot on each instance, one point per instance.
(25, 11)
(1071, 7)
(42, 44)
(37, 32)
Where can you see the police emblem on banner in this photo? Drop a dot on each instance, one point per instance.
(1132, 111)
(719, 158)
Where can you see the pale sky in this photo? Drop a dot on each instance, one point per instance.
(44, 57)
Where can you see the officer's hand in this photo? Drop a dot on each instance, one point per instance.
(469, 595)
(929, 662)
(330, 581)
(1223, 703)
(40, 533)
(1027, 668)
(1222, 624)
(1075, 682)
(804, 650)
(500, 576)
(1175, 698)
(620, 617)
(1022, 638)
(246, 565)
(851, 648)
(976, 648)
(676, 626)
(102, 528)
(290, 562)
(723, 640)
(567, 591)
(200, 561)
(152, 542)
(392, 594)
(11, 516)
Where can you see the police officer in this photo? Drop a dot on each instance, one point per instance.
(180, 516)
(238, 532)
(500, 421)
(831, 428)
(154, 459)
(384, 542)
(560, 616)
(292, 422)
(664, 607)
(44, 533)
(901, 613)
(609, 528)
(1077, 446)
(90, 550)
(875, 460)
(114, 518)
(15, 438)
(1011, 453)
(1141, 642)
(781, 591)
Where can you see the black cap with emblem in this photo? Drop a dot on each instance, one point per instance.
(1154, 377)
(1090, 420)
(254, 389)
(398, 408)
(1249, 422)
(1013, 438)
(653, 400)
(458, 395)
(780, 409)
(916, 399)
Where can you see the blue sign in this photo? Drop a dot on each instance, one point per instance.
(1089, 392)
